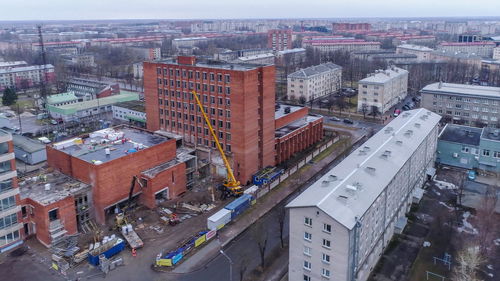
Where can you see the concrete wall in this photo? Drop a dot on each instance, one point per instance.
(173, 178)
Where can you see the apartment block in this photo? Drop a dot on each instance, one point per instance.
(469, 147)
(463, 104)
(342, 223)
(339, 44)
(382, 89)
(279, 39)
(423, 53)
(483, 49)
(13, 77)
(496, 53)
(239, 99)
(314, 82)
(10, 207)
(350, 27)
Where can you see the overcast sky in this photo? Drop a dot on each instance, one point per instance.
(220, 9)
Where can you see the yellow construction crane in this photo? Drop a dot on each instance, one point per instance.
(231, 184)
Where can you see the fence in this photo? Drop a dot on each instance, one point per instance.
(264, 189)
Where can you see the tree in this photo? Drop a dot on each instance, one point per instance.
(243, 266)
(375, 111)
(364, 109)
(281, 217)
(9, 97)
(302, 100)
(469, 260)
(340, 103)
(259, 235)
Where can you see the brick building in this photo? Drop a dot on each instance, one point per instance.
(279, 39)
(239, 99)
(350, 27)
(10, 209)
(108, 159)
(295, 131)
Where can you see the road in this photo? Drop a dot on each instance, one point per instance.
(244, 248)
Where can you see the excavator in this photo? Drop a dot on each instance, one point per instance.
(231, 186)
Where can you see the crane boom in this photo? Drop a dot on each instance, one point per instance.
(231, 180)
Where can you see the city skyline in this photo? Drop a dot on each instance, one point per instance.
(196, 9)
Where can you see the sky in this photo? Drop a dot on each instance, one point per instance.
(231, 9)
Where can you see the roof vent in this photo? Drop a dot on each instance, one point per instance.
(417, 125)
(361, 152)
(398, 142)
(388, 130)
(370, 170)
(406, 114)
(429, 113)
(324, 183)
(342, 198)
(424, 117)
(366, 148)
(332, 177)
(409, 133)
(351, 188)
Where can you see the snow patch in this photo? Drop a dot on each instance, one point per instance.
(444, 185)
(446, 205)
(497, 241)
(467, 227)
(489, 266)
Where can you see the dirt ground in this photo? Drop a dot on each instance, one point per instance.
(439, 221)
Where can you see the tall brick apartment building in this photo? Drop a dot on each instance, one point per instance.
(279, 39)
(239, 99)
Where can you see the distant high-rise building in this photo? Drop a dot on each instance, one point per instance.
(279, 39)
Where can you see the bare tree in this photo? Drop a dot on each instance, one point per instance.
(281, 217)
(487, 224)
(242, 268)
(341, 104)
(364, 109)
(259, 235)
(468, 261)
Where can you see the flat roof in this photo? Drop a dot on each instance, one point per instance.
(492, 134)
(27, 144)
(135, 105)
(256, 57)
(48, 186)
(216, 64)
(461, 134)
(62, 97)
(383, 76)
(72, 108)
(281, 110)
(25, 68)
(415, 47)
(348, 190)
(462, 89)
(295, 125)
(120, 141)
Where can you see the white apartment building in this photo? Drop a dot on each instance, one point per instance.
(463, 104)
(188, 41)
(341, 224)
(496, 53)
(382, 89)
(423, 53)
(315, 81)
(10, 210)
(483, 49)
(12, 76)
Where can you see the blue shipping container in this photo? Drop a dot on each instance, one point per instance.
(239, 205)
(94, 260)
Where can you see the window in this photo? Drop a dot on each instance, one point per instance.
(325, 272)
(8, 221)
(326, 243)
(307, 236)
(228, 78)
(325, 258)
(496, 154)
(486, 152)
(327, 228)
(465, 149)
(308, 221)
(307, 265)
(7, 203)
(219, 77)
(307, 278)
(11, 237)
(228, 90)
(307, 251)
(474, 151)
(5, 185)
(212, 77)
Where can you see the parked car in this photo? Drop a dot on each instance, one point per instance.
(406, 107)
(347, 121)
(335, 119)
(396, 112)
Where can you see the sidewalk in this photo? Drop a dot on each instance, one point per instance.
(262, 207)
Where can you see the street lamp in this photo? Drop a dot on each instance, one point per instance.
(230, 265)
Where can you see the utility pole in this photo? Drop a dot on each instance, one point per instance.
(19, 118)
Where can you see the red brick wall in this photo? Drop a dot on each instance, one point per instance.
(251, 110)
(298, 140)
(111, 180)
(67, 215)
(174, 178)
(290, 117)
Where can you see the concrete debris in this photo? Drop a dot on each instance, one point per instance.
(191, 207)
(157, 228)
